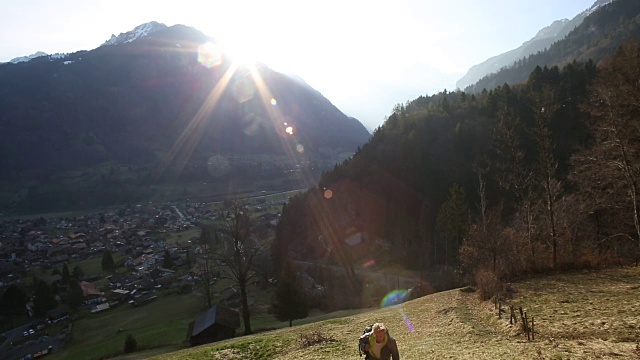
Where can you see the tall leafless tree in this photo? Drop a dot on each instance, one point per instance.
(205, 265)
(234, 253)
(612, 165)
(544, 104)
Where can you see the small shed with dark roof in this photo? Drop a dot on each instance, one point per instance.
(218, 323)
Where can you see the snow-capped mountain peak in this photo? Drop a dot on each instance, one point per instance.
(138, 32)
(27, 58)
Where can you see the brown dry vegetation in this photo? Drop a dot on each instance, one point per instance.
(581, 315)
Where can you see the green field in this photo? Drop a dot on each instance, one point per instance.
(181, 236)
(160, 326)
(160, 323)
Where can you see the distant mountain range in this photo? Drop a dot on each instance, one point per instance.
(148, 97)
(28, 57)
(543, 40)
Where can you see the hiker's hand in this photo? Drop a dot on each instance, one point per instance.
(367, 347)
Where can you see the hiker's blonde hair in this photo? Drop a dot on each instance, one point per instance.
(379, 327)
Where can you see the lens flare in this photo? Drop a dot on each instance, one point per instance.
(243, 89)
(354, 239)
(251, 124)
(289, 130)
(394, 298)
(209, 55)
(218, 166)
(368, 263)
(328, 194)
(300, 148)
(274, 102)
(406, 319)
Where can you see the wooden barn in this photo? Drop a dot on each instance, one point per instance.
(218, 323)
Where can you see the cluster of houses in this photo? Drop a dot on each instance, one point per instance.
(139, 233)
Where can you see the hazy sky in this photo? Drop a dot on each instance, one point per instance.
(364, 56)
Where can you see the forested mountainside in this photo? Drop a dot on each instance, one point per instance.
(126, 102)
(596, 37)
(145, 105)
(515, 179)
(542, 41)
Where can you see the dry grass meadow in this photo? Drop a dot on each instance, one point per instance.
(579, 315)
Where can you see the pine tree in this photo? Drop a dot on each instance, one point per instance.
(167, 263)
(65, 274)
(289, 300)
(452, 223)
(75, 296)
(130, 344)
(77, 272)
(107, 261)
(43, 299)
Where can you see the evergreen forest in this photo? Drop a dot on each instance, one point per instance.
(519, 179)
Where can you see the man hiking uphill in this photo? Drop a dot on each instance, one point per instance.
(378, 344)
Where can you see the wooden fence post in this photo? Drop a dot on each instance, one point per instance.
(523, 317)
(526, 326)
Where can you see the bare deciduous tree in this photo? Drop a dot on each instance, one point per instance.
(234, 253)
(205, 266)
(544, 105)
(612, 165)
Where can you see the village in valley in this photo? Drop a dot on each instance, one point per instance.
(139, 238)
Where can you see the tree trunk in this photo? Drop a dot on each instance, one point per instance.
(246, 313)
(527, 211)
(552, 221)
(633, 191)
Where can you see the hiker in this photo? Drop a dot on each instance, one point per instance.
(378, 344)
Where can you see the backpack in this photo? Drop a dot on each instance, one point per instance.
(367, 329)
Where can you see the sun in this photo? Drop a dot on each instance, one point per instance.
(211, 55)
(241, 53)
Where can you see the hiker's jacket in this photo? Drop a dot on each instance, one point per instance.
(389, 349)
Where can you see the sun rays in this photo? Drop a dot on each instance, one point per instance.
(182, 149)
(244, 83)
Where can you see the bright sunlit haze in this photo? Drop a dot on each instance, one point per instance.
(363, 56)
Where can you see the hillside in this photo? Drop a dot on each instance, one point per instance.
(540, 42)
(581, 315)
(101, 127)
(596, 37)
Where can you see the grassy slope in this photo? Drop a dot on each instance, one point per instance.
(98, 335)
(582, 315)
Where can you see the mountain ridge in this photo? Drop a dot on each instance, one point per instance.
(20, 59)
(140, 31)
(604, 28)
(543, 39)
(135, 102)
